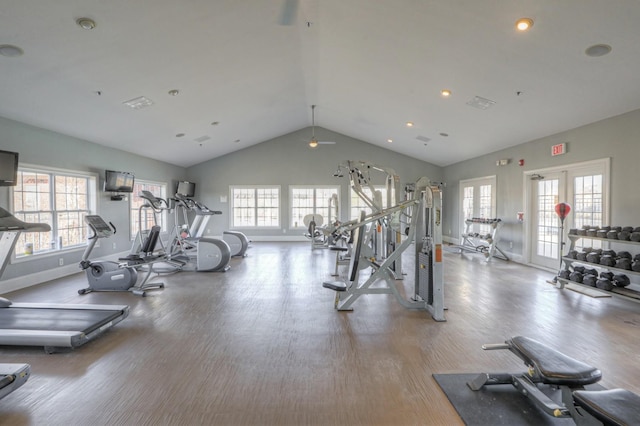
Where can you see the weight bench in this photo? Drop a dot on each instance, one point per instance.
(546, 366)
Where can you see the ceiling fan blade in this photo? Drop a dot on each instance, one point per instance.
(326, 143)
(288, 12)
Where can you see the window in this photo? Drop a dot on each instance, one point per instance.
(358, 204)
(478, 199)
(312, 200)
(59, 198)
(255, 207)
(146, 215)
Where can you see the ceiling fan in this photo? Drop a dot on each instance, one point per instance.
(314, 142)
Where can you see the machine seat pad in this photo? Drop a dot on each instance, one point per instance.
(338, 248)
(335, 285)
(611, 407)
(555, 368)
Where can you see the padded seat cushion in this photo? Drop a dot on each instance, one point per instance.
(555, 368)
(612, 407)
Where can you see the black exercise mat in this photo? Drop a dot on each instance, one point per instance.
(497, 404)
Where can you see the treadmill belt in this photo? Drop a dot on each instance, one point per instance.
(83, 320)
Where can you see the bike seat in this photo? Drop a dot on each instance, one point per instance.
(553, 367)
(611, 407)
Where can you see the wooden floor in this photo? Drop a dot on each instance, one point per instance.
(262, 345)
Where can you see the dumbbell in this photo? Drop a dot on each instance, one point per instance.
(608, 275)
(623, 263)
(623, 253)
(604, 284)
(575, 277)
(621, 280)
(593, 257)
(607, 260)
(589, 280)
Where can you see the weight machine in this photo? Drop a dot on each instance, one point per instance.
(424, 210)
(384, 237)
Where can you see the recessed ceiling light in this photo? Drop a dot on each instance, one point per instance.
(524, 24)
(179, 135)
(86, 23)
(445, 93)
(390, 140)
(10, 51)
(174, 92)
(598, 50)
(409, 124)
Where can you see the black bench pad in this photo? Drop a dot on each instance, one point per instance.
(555, 368)
(612, 407)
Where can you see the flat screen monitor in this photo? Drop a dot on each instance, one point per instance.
(8, 168)
(118, 181)
(187, 189)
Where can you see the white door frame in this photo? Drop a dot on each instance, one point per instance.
(605, 163)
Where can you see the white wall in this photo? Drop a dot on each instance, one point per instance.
(288, 160)
(46, 148)
(617, 137)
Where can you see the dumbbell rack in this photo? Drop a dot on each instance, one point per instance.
(475, 243)
(622, 291)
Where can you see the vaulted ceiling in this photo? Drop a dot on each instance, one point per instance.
(245, 72)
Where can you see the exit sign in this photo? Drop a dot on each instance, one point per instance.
(559, 149)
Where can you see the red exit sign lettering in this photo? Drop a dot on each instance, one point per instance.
(559, 149)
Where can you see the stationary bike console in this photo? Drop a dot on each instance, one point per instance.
(99, 226)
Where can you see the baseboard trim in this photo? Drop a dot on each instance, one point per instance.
(18, 283)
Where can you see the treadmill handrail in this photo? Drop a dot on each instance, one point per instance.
(9, 222)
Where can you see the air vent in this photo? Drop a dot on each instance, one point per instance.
(423, 138)
(481, 103)
(139, 102)
(202, 139)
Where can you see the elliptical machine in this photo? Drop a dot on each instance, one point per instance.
(188, 245)
(238, 242)
(107, 275)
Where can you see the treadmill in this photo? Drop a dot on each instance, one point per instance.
(12, 376)
(56, 327)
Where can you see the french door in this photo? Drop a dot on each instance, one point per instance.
(478, 199)
(585, 187)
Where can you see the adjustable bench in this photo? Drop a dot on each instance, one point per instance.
(547, 366)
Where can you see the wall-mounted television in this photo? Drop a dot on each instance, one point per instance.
(8, 168)
(118, 181)
(187, 189)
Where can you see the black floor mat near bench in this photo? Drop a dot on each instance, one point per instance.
(497, 404)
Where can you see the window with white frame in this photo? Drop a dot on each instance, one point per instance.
(255, 206)
(316, 200)
(59, 198)
(357, 204)
(478, 200)
(146, 216)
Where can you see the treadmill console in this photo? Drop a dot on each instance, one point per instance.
(99, 226)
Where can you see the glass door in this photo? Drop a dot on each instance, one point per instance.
(584, 187)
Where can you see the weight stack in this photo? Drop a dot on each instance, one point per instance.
(425, 277)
